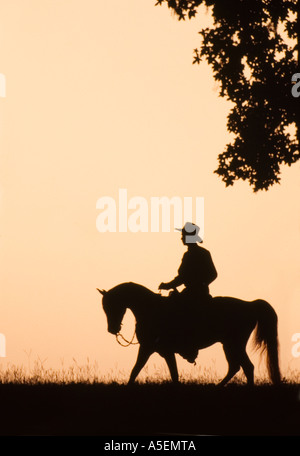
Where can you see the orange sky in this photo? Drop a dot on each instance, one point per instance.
(101, 96)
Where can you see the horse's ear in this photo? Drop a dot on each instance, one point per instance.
(101, 291)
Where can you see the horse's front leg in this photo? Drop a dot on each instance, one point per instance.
(142, 358)
(172, 365)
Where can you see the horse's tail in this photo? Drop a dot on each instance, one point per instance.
(266, 338)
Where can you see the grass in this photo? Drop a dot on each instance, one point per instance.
(152, 408)
(37, 372)
(81, 400)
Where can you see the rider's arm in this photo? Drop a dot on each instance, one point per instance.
(174, 283)
(178, 279)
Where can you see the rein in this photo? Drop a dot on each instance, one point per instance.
(125, 340)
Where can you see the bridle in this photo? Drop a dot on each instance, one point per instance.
(125, 340)
(119, 334)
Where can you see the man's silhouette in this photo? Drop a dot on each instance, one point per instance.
(196, 272)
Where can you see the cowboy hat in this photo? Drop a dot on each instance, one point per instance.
(191, 231)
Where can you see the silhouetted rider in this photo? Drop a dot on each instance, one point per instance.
(196, 272)
(197, 269)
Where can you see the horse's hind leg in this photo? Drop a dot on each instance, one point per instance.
(172, 365)
(237, 357)
(233, 363)
(142, 358)
(248, 368)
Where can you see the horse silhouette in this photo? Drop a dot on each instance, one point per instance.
(164, 327)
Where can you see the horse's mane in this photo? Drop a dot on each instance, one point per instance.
(130, 288)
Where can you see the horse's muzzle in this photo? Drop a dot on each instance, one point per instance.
(114, 330)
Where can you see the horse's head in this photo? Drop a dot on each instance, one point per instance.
(114, 310)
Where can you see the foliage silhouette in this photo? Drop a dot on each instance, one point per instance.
(252, 49)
